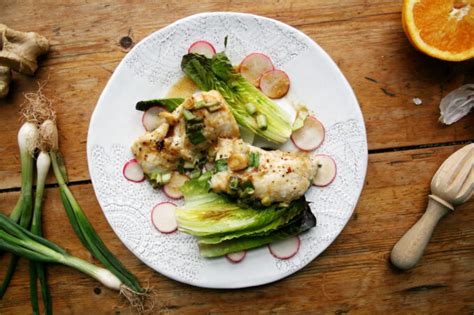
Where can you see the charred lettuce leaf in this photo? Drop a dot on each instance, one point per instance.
(223, 226)
(304, 222)
(217, 73)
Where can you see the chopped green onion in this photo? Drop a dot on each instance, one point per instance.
(194, 127)
(261, 121)
(188, 165)
(251, 108)
(158, 178)
(221, 165)
(165, 178)
(195, 173)
(234, 183)
(199, 104)
(247, 192)
(214, 108)
(196, 137)
(254, 159)
(188, 115)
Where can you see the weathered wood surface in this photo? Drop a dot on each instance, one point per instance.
(366, 40)
(352, 275)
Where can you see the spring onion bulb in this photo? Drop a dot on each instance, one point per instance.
(28, 136)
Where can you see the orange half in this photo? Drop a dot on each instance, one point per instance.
(443, 29)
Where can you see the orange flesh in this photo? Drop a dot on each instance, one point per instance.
(442, 25)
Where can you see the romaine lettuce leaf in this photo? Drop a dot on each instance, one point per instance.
(306, 221)
(217, 73)
(223, 226)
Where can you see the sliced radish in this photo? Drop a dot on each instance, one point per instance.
(285, 249)
(163, 217)
(327, 170)
(236, 257)
(133, 172)
(172, 188)
(274, 83)
(310, 136)
(254, 65)
(202, 47)
(150, 118)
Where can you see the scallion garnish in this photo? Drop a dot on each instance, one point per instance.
(261, 121)
(220, 165)
(195, 173)
(250, 108)
(254, 159)
(188, 115)
(234, 183)
(196, 136)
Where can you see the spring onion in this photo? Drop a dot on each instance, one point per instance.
(254, 159)
(261, 121)
(81, 225)
(27, 139)
(221, 165)
(250, 108)
(18, 240)
(38, 269)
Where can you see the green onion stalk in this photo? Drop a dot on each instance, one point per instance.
(38, 269)
(80, 223)
(18, 240)
(27, 139)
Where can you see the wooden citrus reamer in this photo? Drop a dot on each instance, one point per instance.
(452, 185)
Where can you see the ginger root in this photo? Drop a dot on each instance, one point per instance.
(5, 78)
(20, 50)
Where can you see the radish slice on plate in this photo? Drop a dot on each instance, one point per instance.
(163, 217)
(172, 188)
(150, 118)
(133, 172)
(236, 257)
(310, 136)
(202, 47)
(327, 170)
(254, 65)
(274, 83)
(285, 249)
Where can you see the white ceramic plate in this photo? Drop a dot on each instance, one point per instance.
(148, 71)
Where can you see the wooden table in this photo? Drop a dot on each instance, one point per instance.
(406, 146)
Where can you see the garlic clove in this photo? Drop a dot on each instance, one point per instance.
(457, 104)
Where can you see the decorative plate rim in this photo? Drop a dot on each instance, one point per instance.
(323, 54)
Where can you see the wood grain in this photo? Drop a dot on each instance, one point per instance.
(366, 40)
(363, 37)
(352, 275)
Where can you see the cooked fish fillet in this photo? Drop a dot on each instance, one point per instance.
(162, 149)
(280, 176)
